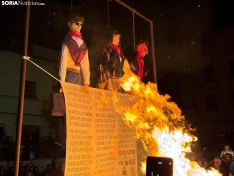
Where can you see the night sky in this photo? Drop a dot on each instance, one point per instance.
(173, 21)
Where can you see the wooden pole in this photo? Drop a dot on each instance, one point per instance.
(21, 94)
(151, 36)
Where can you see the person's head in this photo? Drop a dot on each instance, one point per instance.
(12, 169)
(216, 163)
(226, 147)
(50, 134)
(4, 136)
(75, 23)
(49, 167)
(30, 138)
(26, 167)
(11, 138)
(21, 169)
(45, 138)
(20, 164)
(28, 173)
(57, 166)
(142, 49)
(2, 167)
(200, 162)
(115, 37)
(35, 169)
(227, 157)
(41, 140)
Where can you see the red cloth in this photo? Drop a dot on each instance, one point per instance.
(75, 34)
(116, 48)
(54, 172)
(140, 62)
(77, 53)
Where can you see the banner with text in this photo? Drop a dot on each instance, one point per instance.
(98, 142)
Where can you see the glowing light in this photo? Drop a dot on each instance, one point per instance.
(159, 125)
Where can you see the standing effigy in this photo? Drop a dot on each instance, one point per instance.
(74, 64)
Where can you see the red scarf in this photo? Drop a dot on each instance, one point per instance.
(140, 62)
(75, 34)
(116, 48)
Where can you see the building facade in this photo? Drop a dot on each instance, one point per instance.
(38, 88)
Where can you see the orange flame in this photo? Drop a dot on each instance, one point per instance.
(159, 125)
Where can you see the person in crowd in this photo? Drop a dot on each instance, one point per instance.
(205, 161)
(11, 148)
(10, 171)
(46, 145)
(226, 162)
(21, 170)
(26, 167)
(137, 64)
(50, 145)
(4, 148)
(74, 64)
(3, 137)
(40, 149)
(62, 168)
(2, 173)
(231, 167)
(2, 170)
(36, 171)
(47, 170)
(226, 149)
(28, 173)
(217, 165)
(22, 147)
(111, 68)
(199, 162)
(56, 171)
(29, 148)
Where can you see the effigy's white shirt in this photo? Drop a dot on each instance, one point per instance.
(67, 62)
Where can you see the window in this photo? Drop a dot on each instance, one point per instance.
(231, 68)
(30, 130)
(211, 103)
(209, 73)
(1, 131)
(29, 89)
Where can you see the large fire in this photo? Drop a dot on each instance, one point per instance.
(159, 125)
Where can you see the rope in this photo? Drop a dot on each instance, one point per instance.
(208, 164)
(108, 15)
(26, 57)
(71, 8)
(133, 28)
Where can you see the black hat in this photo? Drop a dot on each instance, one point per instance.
(75, 18)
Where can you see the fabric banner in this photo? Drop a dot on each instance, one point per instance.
(98, 142)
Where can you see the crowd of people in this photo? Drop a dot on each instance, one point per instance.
(55, 168)
(224, 163)
(44, 148)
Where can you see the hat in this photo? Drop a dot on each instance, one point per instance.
(75, 18)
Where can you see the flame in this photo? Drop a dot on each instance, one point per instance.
(159, 125)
